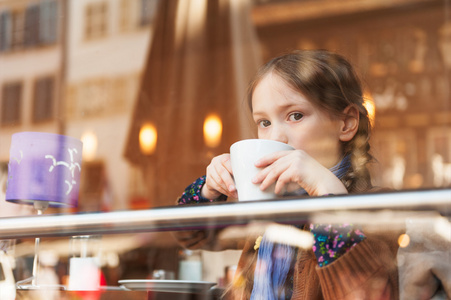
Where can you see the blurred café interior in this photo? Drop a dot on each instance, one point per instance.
(156, 88)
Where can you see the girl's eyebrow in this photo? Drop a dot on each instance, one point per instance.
(257, 113)
(284, 107)
(258, 116)
(291, 105)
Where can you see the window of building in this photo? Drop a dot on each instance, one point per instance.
(43, 99)
(48, 25)
(5, 31)
(11, 103)
(96, 18)
(128, 19)
(41, 24)
(136, 13)
(32, 26)
(29, 27)
(148, 9)
(92, 186)
(17, 29)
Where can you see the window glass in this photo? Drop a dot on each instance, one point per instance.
(158, 91)
(44, 95)
(5, 31)
(48, 27)
(31, 26)
(96, 24)
(147, 11)
(11, 103)
(18, 30)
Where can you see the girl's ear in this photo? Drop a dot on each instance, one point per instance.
(349, 123)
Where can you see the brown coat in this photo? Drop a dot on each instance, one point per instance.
(368, 271)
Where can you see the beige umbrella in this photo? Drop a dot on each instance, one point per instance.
(202, 56)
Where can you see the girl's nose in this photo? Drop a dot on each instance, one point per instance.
(278, 134)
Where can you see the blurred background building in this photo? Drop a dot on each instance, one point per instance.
(31, 73)
(107, 43)
(73, 67)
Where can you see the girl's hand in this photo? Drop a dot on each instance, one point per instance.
(297, 166)
(219, 178)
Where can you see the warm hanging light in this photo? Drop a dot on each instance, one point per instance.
(212, 131)
(148, 139)
(403, 240)
(368, 102)
(89, 140)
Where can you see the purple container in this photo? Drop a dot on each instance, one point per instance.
(44, 167)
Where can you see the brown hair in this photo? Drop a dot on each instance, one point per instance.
(330, 83)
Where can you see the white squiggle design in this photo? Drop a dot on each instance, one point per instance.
(9, 176)
(70, 185)
(18, 159)
(71, 166)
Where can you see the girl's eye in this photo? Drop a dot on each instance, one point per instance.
(264, 123)
(295, 116)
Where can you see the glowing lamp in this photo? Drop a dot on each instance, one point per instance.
(148, 139)
(212, 131)
(44, 168)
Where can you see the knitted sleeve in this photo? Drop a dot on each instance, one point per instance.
(192, 195)
(368, 270)
(331, 242)
(203, 238)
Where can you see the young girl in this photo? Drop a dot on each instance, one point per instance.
(313, 101)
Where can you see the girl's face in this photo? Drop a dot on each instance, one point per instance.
(285, 115)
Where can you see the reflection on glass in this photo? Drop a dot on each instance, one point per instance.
(89, 140)
(70, 65)
(368, 102)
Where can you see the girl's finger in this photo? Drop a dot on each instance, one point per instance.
(279, 164)
(270, 178)
(225, 172)
(225, 180)
(261, 175)
(276, 173)
(214, 182)
(219, 176)
(283, 180)
(227, 163)
(270, 158)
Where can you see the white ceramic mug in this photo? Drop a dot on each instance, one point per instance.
(243, 156)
